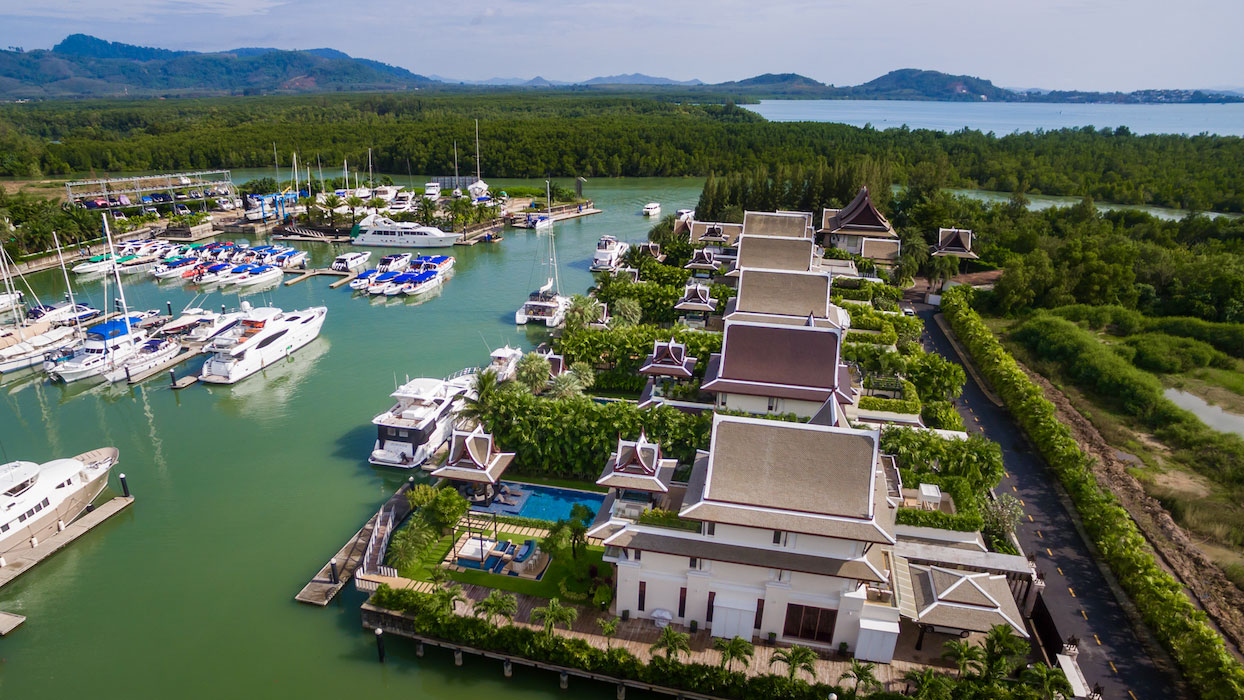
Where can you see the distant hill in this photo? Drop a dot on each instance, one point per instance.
(913, 84)
(637, 79)
(85, 66)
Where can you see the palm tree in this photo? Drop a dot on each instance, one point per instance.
(565, 385)
(1003, 652)
(447, 599)
(584, 374)
(460, 211)
(929, 684)
(438, 576)
(673, 642)
(375, 204)
(354, 202)
(477, 407)
(861, 674)
(968, 658)
(582, 310)
(555, 614)
(627, 311)
(331, 203)
(1048, 682)
(425, 210)
(734, 649)
(608, 628)
(497, 604)
(576, 530)
(797, 659)
(533, 371)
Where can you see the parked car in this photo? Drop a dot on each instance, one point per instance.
(124, 200)
(182, 210)
(908, 311)
(148, 200)
(151, 210)
(162, 197)
(119, 216)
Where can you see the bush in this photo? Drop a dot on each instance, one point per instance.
(1198, 649)
(667, 518)
(873, 403)
(1168, 354)
(941, 414)
(966, 518)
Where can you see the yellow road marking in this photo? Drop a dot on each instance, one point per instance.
(1014, 489)
(1030, 518)
(1098, 640)
(1112, 668)
(1060, 571)
(1082, 614)
(1021, 502)
(1006, 473)
(1047, 551)
(1040, 535)
(1072, 591)
(1132, 694)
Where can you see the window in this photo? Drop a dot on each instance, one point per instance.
(710, 529)
(269, 340)
(760, 613)
(643, 593)
(777, 537)
(682, 602)
(807, 622)
(637, 558)
(695, 563)
(21, 518)
(712, 596)
(773, 404)
(46, 502)
(4, 527)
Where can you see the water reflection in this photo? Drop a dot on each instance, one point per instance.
(1213, 416)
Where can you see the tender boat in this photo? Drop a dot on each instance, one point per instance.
(608, 255)
(259, 275)
(397, 262)
(235, 273)
(363, 279)
(541, 223)
(376, 230)
(36, 500)
(264, 336)
(150, 355)
(420, 422)
(397, 284)
(652, 209)
(380, 281)
(11, 300)
(173, 268)
(291, 258)
(93, 264)
(210, 273)
(349, 262)
(504, 362)
(432, 190)
(435, 263)
(212, 326)
(543, 306)
(107, 346)
(422, 283)
(137, 264)
(63, 314)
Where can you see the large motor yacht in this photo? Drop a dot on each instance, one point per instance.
(378, 230)
(107, 347)
(421, 420)
(265, 335)
(36, 498)
(608, 255)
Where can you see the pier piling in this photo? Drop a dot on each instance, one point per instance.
(169, 304)
(565, 680)
(380, 644)
(457, 657)
(419, 650)
(507, 667)
(172, 378)
(621, 692)
(332, 563)
(125, 487)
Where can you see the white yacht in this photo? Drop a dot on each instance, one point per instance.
(386, 192)
(11, 300)
(150, 355)
(30, 351)
(422, 283)
(67, 313)
(432, 190)
(543, 306)
(349, 262)
(376, 230)
(504, 362)
(36, 498)
(144, 263)
(404, 201)
(259, 275)
(421, 420)
(174, 268)
(397, 262)
(652, 209)
(265, 335)
(93, 264)
(608, 255)
(199, 325)
(107, 346)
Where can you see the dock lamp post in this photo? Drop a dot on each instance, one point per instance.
(380, 644)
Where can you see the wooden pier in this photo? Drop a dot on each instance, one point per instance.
(10, 622)
(325, 586)
(185, 381)
(185, 354)
(18, 562)
(315, 272)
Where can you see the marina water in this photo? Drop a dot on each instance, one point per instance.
(244, 491)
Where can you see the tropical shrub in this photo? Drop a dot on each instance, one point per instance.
(1168, 354)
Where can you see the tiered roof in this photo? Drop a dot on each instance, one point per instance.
(775, 254)
(779, 224)
(880, 249)
(782, 293)
(711, 232)
(473, 457)
(954, 242)
(776, 360)
(653, 249)
(702, 259)
(859, 218)
(695, 297)
(964, 600)
(669, 359)
(637, 466)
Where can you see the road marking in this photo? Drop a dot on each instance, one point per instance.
(1006, 473)
(1047, 551)
(1060, 571)
(1030, 518)
(1132, 694)
(1072, 591)
(1014, 489)
(1112, 668)
(1098, 640)
(1021, 502)
(1040, 535)
(1083, 615)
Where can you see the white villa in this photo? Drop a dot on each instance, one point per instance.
(859, 228)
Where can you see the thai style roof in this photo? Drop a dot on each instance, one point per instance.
(473, 457)
(652, 249)
(772, 253)
(776, 360)
(782, 293)
(702, 259)
(880, 249)
(787, 224)
(716, 233)
(637, 466)
(956, 242)
(557, 363)
(668, 358)
(794, 477)
(964, 600)
(695, 297)
(859, 218)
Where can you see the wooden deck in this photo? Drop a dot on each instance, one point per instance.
(185, 354)
(315, 272)
(20, 561)
(321, 589)
(10, 622)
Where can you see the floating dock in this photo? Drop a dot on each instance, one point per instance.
(18, 562)
(186, 353)
(308, 274)
(327, 582)
(10, 622)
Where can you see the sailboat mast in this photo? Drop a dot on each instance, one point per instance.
(9, 287)
(321, 167)
(478, 177)
(371, 181)
(276, 162)
(116, 271)
(455, 164)
(68, 286)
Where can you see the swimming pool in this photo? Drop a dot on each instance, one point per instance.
(543, 502)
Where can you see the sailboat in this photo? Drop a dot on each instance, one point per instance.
(26, 343)
(545, 305)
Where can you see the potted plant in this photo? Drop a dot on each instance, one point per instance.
(695, 625)
(626, 615)
(842, 650)
(772, 638)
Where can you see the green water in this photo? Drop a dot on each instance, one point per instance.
(243, 492)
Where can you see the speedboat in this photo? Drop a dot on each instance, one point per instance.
(380, 281)
(206, 274)
(435, 263)
(93, 264)
(173, 268)
(376, 230)
(420, 422)
(291, 258)
(349, 262)
(235, 273)
(652, 209)
(397, 284)
(262, 337)
(37, 500)
(363, 279)
(30, 351)
(543, 306)
(422, 283)
(212, 326)
(107, 346)
(137, 264)
(432, 190)
(259, 275)
(396, 262)
(504, 362)
(150, 355)
(541, 223)
(63, 314)
(608, 255)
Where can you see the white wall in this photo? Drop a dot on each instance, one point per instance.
(760, 405)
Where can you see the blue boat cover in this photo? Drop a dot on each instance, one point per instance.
(367, 273)
(113, 328)
(386, 276)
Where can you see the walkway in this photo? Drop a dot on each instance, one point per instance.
(1077, 594)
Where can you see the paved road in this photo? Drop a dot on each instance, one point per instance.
(1076, 593)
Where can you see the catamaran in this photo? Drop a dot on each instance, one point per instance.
(421, 421)
(545, 305)
(264, 336)
(36, 500)
(377, 230)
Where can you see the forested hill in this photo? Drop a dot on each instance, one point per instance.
(84, 66)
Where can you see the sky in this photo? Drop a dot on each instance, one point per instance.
(1054, 44)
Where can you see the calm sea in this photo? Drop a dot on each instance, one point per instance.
(1008, 117)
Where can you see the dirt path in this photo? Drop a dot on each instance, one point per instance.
(1220, 599)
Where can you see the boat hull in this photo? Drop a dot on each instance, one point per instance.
(45, 523)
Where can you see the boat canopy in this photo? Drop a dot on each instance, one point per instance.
(113, 328)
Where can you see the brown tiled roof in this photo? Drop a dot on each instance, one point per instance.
(784, 292)
(713, 232)
(859, 218)
(870, 568)
(964, 600)
(695, 297)
(784, 224)
(702, 259)
(759, 359)
(954, 242)
(472, 457)
(776, 253)
(668, 358)
(657, 482)
(880, 249)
